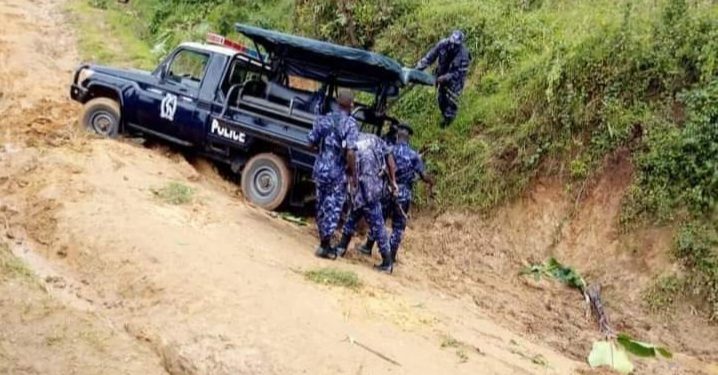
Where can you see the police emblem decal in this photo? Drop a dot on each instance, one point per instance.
(168, 107)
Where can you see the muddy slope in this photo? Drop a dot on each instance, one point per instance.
(215, 286)
(212, 286)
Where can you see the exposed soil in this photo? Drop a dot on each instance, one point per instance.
(216, 286)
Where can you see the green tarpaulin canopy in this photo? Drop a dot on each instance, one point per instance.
(323, 61)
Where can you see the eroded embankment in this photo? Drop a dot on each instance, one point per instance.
(482, 257)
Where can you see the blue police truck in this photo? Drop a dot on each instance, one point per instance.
(248, 108)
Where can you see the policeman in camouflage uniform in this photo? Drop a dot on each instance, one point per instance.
(451, 69)
(374, 165)
(334, 136)
(408, 166)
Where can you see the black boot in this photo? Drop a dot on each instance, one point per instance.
(341, 249)
(393, 255)
(325, 250)
(386, 264)
(366, 248)
(446, 122)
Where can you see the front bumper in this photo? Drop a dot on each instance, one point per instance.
(77, 92)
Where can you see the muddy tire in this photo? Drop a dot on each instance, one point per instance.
(266, 181)
(101, 116)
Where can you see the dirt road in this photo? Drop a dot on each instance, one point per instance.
(215, 286)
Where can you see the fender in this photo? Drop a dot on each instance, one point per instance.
(95, 85)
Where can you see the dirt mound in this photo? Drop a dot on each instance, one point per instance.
(483, 256)
(49, 123)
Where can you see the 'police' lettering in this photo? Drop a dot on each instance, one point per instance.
(224, 132)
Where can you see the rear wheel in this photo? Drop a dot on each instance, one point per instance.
(102, 116)
(266, 180)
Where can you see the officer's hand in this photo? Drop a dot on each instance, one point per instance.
(353, 183)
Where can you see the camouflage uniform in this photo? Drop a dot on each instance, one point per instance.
(408, 165)
(333, 134)
(366, 201)
(454, 60)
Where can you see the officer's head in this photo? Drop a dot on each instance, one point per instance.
(390, 136)
(404, 132)
(457, 37)
(345, 98)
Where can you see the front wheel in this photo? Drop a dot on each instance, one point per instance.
(102, 116)
(266, 180)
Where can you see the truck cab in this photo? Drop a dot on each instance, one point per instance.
(248, 108)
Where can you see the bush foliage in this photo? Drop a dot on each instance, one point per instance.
(697, 248)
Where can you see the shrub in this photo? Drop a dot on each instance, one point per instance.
(175, 193)
(697, 248)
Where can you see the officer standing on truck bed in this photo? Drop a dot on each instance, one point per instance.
(408, 165)
(450, 72)
(334, 136)
(374, 165)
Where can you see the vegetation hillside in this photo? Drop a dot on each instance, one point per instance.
(555, 87)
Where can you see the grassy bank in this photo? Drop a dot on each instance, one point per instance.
(107, 33)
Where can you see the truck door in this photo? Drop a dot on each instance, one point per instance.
(169, 105)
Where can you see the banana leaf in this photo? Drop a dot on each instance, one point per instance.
(642, 349)
(605, 353)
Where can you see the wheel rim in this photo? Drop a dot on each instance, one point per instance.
(102, 122)
(265, 182)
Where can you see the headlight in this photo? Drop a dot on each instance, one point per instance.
(84, 75)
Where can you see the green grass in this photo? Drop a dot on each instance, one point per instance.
(175, 193)
(11, 267)
(461, 347)
(334, 277)
(663, 293)
(109, 36)
(450, 342)
(696, 248)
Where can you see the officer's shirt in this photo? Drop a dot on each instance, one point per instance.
(333, 134)
(371, 169)
(408, 165)
(453, 59)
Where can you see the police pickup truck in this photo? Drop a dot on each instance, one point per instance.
(248, 108)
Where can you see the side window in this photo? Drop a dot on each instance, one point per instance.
(237, 74)
(188, 68)
(242, 72)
